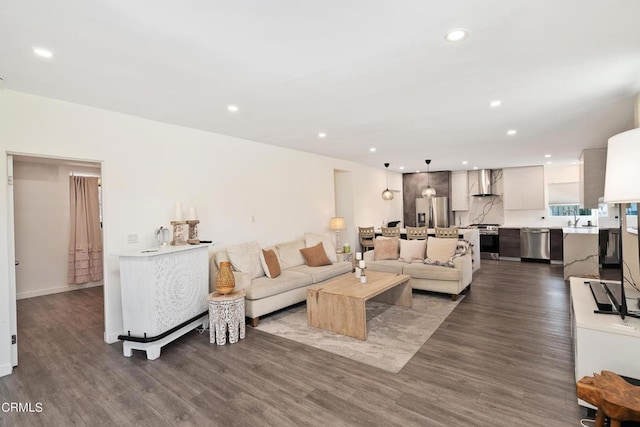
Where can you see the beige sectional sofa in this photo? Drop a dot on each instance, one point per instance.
(452, 278)
(265, 295)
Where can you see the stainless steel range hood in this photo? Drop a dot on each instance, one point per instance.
(484, 183)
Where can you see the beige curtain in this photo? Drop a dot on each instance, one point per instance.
(85, 243)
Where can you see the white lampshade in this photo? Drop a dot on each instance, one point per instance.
(337, 223)
(622, 179)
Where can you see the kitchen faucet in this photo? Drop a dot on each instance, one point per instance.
(575, 217)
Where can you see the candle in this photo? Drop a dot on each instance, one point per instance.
(178, 212)
(361, 263)
(363, 279)
(358, 256)
(192, 213)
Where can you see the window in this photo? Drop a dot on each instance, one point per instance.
(568, 210)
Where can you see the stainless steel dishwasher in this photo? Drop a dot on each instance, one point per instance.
(534, 244)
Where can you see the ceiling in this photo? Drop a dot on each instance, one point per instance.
(367, 73)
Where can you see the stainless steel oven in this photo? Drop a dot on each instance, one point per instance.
(489, 241)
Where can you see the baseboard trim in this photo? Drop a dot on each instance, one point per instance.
(49, 291)
(6, 369)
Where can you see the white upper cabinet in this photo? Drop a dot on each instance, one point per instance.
(459, 191)
(524, 188)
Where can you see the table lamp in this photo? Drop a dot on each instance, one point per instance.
(622, 177)
(337, 224)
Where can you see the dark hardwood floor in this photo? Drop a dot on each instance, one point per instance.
(502, 358)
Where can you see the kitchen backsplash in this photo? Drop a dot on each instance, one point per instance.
(490, 210)
(487, 209)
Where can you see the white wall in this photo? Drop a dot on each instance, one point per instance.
(42, 220)
(148, 165)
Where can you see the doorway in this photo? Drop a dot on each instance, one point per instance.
(40, 223)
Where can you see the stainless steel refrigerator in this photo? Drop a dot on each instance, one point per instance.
(432, 212)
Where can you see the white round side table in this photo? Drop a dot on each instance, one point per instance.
(226, 314)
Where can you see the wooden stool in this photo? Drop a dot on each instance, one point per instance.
(226, 314)
(614, 397)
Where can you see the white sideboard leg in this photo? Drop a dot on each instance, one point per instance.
(126, 349)
(153, 352)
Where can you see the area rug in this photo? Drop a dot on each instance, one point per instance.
(395, 333)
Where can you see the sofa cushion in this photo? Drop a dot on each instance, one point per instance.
(270, 264)
(315, 256)
(412, 250)
(385, 249)
(264, 287)
(433, 272)
(441, 249)
(289, 253)
(325, 272)
(386, 266)
(245, 257)
(312, 239)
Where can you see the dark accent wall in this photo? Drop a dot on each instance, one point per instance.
(412, 186)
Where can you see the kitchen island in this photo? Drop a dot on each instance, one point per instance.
(580, 252)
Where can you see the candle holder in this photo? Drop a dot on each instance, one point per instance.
(178, 233)
(193, 232)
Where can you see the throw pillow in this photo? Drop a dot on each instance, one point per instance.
(312, 239)
(412, 250)
(289, 253)
(245, 258)
(270, 264)
(315, 256)
(441, 250)
(385, 248)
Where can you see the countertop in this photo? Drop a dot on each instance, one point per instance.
(580, 230)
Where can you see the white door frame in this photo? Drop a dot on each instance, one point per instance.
(13, 316)
(13, 319)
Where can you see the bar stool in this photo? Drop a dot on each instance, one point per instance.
(391, 231)
(366, 234)
(447, 233)
(416, 233)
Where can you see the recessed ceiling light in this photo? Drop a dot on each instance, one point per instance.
(232, 108)
(495, 103)
(372, 149)
(42, 52)
(322, 135)
(512, 132)
(464, 162)
(549, 163)
(574, 163)
(455, 35)
(475, 167)
(401, 168)
(547, 155)
(417, 171)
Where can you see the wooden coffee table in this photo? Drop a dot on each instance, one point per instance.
(338, 305)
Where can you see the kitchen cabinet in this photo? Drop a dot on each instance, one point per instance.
(556, 244)
(593, 165)
(459, 191)
(524, 188)
(509, 240)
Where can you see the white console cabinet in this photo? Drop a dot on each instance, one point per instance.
(600, 341)
(162, 290)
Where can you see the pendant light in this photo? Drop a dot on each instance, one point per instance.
(387, 194)
(429, 191)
